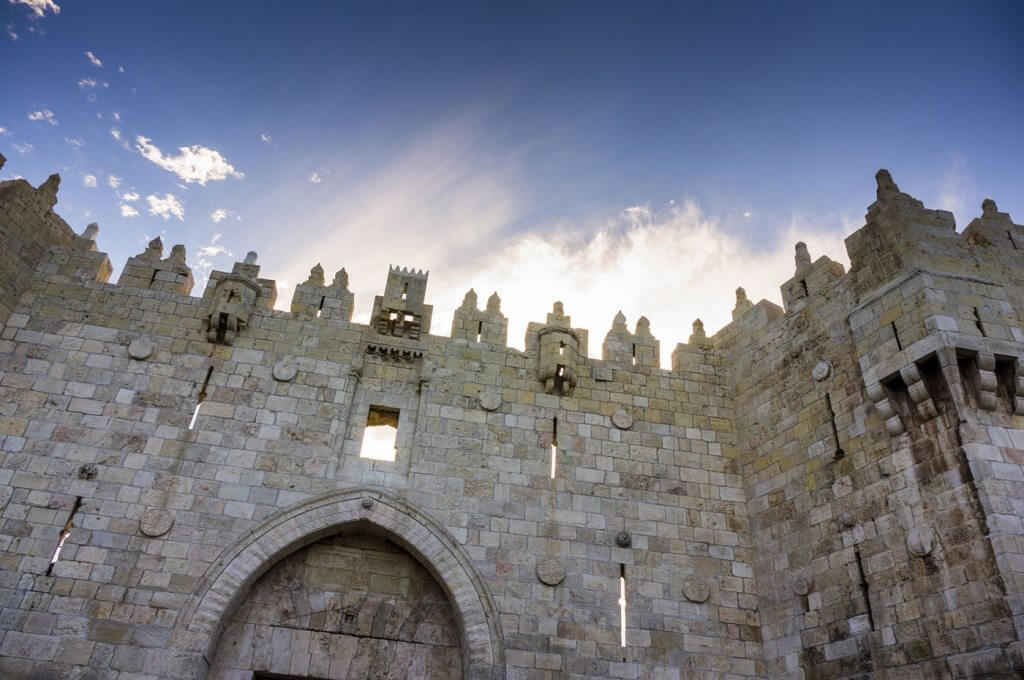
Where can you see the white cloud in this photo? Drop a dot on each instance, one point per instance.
(4, 131)
(22, 148)
(93, 59)
(265, 138)
(75, 142)
(165, 207)
(116, 134)
(219, 215)
(113, 181)
(43, 115)
(215, 238)
(91, 84)
(128, 211)
(130, 196)
(10, 31)
(89, 181)
(315, 178)
(39, 7)
(194, 164)
(115, 115)
(212, 251)
(120, 69)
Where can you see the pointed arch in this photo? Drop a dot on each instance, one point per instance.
(371, 510)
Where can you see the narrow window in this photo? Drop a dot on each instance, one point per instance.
(862, 584)
(222, 326)
(380, 437)
(803, 284)
(479, 331)
(835, 431)
(554, 445)
(622, 605)
(405, 291)
(65, 532)
(320, 309)
(561, 349)
(977, 322)
(1006, 383)
(157, 271)
(200, 398)
(634, 354)
(896, 334)
(1012, 242)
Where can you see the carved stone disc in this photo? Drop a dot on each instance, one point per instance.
(156, 522)
(490, 399)
(285, 370)
(623, 539)
(802, 583)
(550, 571)
(140, 348)
(821, 370)
(622, 419)
(696, 590)
(921, 540)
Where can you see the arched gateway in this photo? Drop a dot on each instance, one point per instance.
(295, 559)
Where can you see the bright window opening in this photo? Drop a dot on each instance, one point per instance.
(405, 291)
(320, 309)
(65, 532)
(200, 398)
(380, 437)
(554, 446)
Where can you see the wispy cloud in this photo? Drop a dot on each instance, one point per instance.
(958, 191)
(113, 181)
(75, 142)
(194, 164)
(130, 196)
(91, 84)
(10, 31)
(265, 138)
(39, 7)
(128, 211)
(165, 207)
(315, 178)
(4, 131)
(43, 115)
(93, 59)
(22, 148)
(89, 181)
(219, 215)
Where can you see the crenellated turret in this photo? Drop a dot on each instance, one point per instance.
(150, 270)
(490, 325)
(400, 312)
(634, 349)
(809, 277)
(994, 228)
(232, 297)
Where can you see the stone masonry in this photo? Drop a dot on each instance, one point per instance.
(829, 489)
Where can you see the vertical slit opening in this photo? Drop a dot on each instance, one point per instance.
(862, 584)
(320, 309)
(803, 285)
(200, 398)
(977, 322)
(405, 291)
(634, 354)
(157, 271)
(622, 607)
(1012, 242)
(896, 334)
(835, 431)
(479, 331)
(1006, 383)
(554, 445)
(64, 533)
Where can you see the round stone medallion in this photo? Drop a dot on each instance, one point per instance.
(847, 520)
(821, 370)
(550, 571)
(623, 539)
(802, 583)
(622, 419)
(140, 348)
(366, 503)
(156, 522)
(285, 370)
(88, 471)
(696, 590)
(490, 399)
(921, 541)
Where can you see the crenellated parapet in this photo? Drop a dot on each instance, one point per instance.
(315, 300)
(488, 325)
(560, 350)
(232, 297)
(639, 348)
(150, 269)
(809, 278)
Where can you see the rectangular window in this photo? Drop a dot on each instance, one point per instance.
(380, 438)
(622, 605)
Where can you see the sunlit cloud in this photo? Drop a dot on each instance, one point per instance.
(265, 138)
(219, 215)
(115, 115)
(315, 178)
(91, 84)
(194, 164)
(130, 196)
(113, 181)
(165, 207)
(93, 59)
(43, 115)
(89, 181)
(128, 211)
(39, 7)
(4, 131)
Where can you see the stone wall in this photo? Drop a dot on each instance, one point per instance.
(801, 494)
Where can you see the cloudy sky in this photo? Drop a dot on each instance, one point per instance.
(638, 156)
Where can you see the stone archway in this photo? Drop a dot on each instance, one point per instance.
(364, 510)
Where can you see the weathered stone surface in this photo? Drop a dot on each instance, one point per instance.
(901, 558)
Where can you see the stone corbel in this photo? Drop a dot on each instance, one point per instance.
(885, 407)
(918, 392)
(987, 380)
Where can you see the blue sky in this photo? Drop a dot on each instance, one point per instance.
(643, 156)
